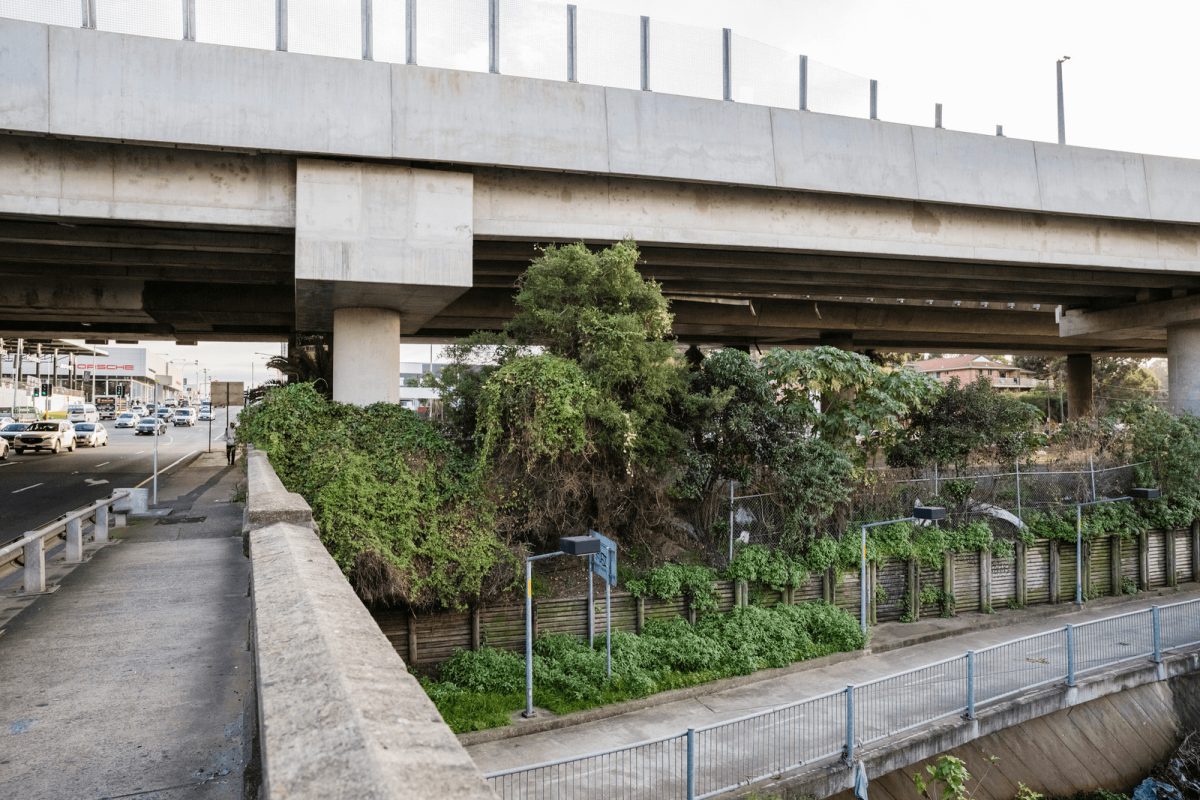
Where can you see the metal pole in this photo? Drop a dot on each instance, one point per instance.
(528, 639)
(156, 418)
(189, 20)
(1078, 555)
(18, 358)
(608, 626)
(591, 606)
(1092, 469)
(804, 83)
(863, 581)
(1157, 635)
(1000, 130)
(874, 99)
(1018, 462)
(850, 724)
(970, 684)
(281, 25)
(410, 31)
(691, 764)
(1062, 121)
(937, 115)
(645, 54)
(1070, 655)
(935, 480)
(368, 31)
(731, 521)
(727, 63)
(89, 14)
(572, 56)
(494, 36)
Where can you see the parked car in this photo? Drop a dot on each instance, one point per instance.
(151, 426)
(127, 420)
(184, 416)
(205, 413)
(83, 413)
(3, 449)
(90, 434)
(10, 431)
(52, 434)
(6, 420)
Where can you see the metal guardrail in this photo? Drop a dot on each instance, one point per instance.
(29, 552)
(717, 758)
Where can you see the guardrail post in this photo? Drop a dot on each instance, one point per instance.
(850, 724)
(189, 20)
(75, 540)
(35, 567)
(727, 63)
(281, 25)
(970, 684)
(691, 764)
(1157, 635)
(494, 36)
(572, 55)
(804, 83)
(1070, 655)
(874, 99)
(89, 14)
(101, 531)
(645, 54)
(368, 31)
(410, 31)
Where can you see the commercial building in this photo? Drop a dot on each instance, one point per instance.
(131, 373)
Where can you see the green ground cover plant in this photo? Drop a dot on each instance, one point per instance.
(480, 689)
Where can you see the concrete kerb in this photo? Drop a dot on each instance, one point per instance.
(339, 714)
(955, 627)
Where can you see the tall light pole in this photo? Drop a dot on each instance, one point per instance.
(1062, 120)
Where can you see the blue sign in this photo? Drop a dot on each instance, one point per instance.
(604, 563)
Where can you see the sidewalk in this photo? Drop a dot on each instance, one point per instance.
(706, 709)
(133, 680)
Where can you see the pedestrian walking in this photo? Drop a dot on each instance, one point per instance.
(231, 442)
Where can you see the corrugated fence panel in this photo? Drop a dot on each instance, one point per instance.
(966, 582)
(394, 625)
(1066, 559)
(439, 635)
(1129, 560)
(1004, 581)
(665, 609)
(503, 628)
(1101, 577)
(567, 615)
(846, 596)
(1183, 555)
(766, 596)
(1037, 572)
(893, 577)
(724, 590)
(1158, 561)
(930, 577)
(809, 591)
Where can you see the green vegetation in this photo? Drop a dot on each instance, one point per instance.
(480, 689)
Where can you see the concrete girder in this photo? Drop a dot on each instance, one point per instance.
(84, 232)
(1133, 318)
(124, 272)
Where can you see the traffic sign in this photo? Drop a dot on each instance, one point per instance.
(604, 563)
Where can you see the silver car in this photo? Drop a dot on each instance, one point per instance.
(52, 434)
(90, 434)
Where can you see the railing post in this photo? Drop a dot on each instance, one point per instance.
(281, 25)
(970, 684)
(410, 32)
(494, 36)
(572, 53)
(937, 115)
(1070, 655)
(368, 31)
(727, 63)
(100, 535)
(1157, 635)
(645, 54)
(189, 20)
(75, 541)
(35, 567)
(89, 14)
(804, 83)
(691, 764)
(850, 724)
(874, 99)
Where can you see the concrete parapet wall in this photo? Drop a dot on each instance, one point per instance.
(339, 714)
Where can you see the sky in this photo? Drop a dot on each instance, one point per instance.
(1128, 85)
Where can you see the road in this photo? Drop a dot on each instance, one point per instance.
(35, 488)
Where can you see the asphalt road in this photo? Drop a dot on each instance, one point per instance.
(35, 488)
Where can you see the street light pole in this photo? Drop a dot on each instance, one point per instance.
(1062, 122)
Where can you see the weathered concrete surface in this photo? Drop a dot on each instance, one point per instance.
(366, 355)
(86, 83)
(1183, 377)
(340, 715)
(134, 678)
(1079, 385)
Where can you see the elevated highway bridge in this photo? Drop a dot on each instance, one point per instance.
(155, 188)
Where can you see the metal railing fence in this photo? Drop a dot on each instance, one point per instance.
(706, 761)
(29, 552)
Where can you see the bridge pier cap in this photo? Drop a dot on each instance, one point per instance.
(1183, 367)
(377, 244)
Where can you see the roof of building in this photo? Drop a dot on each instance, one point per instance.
(961, 362)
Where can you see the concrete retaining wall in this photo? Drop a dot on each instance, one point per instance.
(339, 714)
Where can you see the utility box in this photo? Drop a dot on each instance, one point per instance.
(579, 545)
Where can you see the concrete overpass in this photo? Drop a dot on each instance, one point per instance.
(154, 188)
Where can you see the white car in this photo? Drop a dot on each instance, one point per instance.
(184, 416)
(90, 434)
(127, 420)
(205, 413)
(138, 411)
(84, 413)
(52, 434)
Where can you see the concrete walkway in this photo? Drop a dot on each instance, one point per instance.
(133, 680)
(676, 717)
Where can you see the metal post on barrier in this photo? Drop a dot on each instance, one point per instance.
(850, 724)
(35, 567)
(970, 684)
(101, 531)
(75, 540)
(691, 764)
(1070, 655)
(1157, 635)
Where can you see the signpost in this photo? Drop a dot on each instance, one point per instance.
(603, 564)
(223, 395)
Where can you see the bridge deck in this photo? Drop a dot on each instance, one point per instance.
(130, 680)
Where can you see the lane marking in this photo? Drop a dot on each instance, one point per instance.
(8, 464)
(102, 463)
(139, 452)
(18, 491)
(161, 471)
(94, 481)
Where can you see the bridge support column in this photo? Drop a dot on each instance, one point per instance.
(1183, 368)
(366, 355)
(1079, 385)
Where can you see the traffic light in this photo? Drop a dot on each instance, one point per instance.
(45, 390)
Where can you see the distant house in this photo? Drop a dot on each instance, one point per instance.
(969, 369)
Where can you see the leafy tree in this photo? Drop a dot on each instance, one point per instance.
(310, 361)
(968, 421)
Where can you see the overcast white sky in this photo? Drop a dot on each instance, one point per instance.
(1130, 84)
